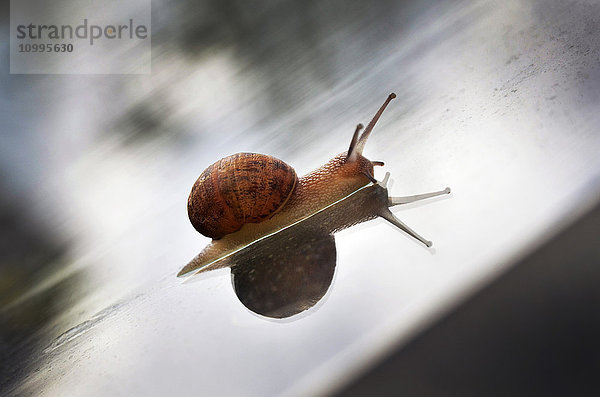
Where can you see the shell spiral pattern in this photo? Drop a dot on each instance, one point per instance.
(239, 189)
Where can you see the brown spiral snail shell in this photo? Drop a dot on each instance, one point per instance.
(257, 189)
(239, 189)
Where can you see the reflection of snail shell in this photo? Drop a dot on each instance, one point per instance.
(281, 283)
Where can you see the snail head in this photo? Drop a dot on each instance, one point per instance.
(354, 162)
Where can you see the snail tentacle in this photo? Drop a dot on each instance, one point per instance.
(365, 135)
(352, 155)
(371, 177)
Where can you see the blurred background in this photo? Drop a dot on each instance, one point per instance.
(497, 101)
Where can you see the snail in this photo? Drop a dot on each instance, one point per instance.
(247, 196)
(247, 188)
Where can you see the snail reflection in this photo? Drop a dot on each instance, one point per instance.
(274, 229)
(289, 271)
(283, 276)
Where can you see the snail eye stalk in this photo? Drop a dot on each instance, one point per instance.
(351, 150)
(360, 145)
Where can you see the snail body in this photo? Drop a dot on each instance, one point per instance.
(250, 188)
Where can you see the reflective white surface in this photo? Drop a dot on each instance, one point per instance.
(498, 102)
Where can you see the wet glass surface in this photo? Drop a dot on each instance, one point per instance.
(497, 101)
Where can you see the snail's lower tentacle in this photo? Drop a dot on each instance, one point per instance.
(371, 177)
